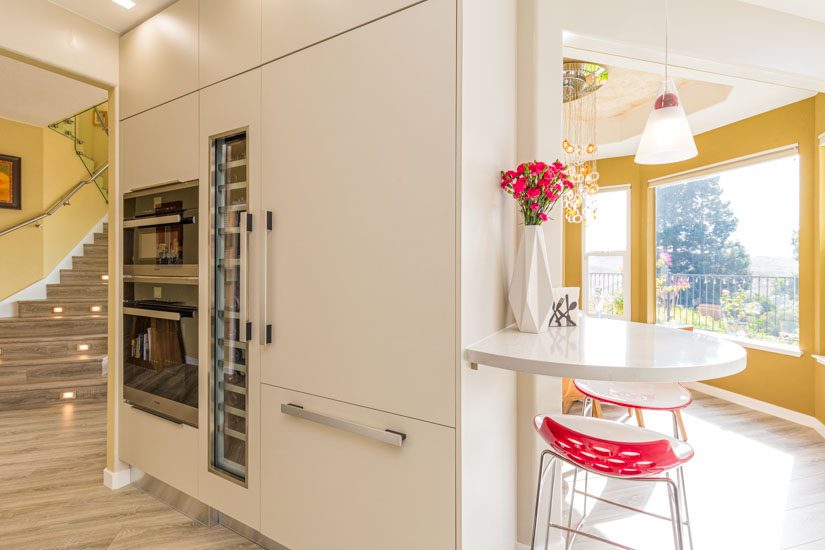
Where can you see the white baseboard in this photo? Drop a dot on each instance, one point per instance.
(761, 406)
(116, 480)
(37, 290)
(520, 546)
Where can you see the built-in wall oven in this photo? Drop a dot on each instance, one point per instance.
(160, 301)
(160, 230)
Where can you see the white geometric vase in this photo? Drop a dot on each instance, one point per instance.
(531, 293)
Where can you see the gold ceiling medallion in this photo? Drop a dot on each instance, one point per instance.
(580, 81)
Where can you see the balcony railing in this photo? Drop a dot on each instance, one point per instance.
(758, 307)
(606, 294)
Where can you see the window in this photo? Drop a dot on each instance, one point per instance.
(727, 249)
(607, 255)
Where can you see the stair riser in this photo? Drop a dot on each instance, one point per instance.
(95, 292)
(24, 398)
(71, 372)
(82, 263)
(81, 277)
(95, 251)
(98, 345)
(68, 326)
(45, 308)
(102, 238)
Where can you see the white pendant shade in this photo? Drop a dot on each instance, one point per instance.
(667, 136)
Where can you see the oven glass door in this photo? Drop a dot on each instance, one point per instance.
(161, 243)
(160, 372)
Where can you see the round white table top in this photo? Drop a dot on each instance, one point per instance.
(611, 349)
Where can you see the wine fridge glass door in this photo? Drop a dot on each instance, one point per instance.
(230, 330)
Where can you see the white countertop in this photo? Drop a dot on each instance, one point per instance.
(610, 349)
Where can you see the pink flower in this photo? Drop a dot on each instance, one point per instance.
(556, 187)
(558, 166)
(548, 193)
(543, 217)
(520, 185)
(522, 167)
(534, 206)
(568, 184)
(533, 192)
(510, 174)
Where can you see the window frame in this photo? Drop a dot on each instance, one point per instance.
(624, 254)
(718, 168)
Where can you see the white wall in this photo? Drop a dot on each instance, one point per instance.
(43, 32)
(488, 144)
(722, 36)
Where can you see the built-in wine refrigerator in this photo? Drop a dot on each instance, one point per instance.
(231, 327)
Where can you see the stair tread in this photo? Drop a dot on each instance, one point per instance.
(58, 360)
(34, 339)
(94, 301)
(50, 318)
(56, 385)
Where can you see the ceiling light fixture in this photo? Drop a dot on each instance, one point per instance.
(128, 4)
(667, 136)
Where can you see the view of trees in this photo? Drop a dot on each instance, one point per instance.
(694, 226)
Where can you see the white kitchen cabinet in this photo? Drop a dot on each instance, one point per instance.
(359, 150)
(159, 59)
(229, 38)
(229, 108)
(327, 487)
(160, 448)
(289, 25)
(160, 144)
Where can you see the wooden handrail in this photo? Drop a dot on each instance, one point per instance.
(58, 204)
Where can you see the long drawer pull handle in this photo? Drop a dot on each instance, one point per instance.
(153, 313)
(149, 222)
(385, 436)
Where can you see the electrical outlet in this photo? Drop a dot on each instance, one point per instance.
(158, 292)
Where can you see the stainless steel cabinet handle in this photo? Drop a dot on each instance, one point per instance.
(156, 220)
(154, 313)
(266, 327)
(243, 325)
(385, 436)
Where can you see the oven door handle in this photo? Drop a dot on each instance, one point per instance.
(156, 220)
(153, 313)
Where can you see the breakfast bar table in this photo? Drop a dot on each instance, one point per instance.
(608, 349)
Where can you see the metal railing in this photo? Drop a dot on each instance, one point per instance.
(58, 204)
(606, 294)
(754, 306)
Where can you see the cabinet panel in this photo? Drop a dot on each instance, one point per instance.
(229, 472)
(230, 38)
(359, 170)
(161, 448)
(160, 144)
(289, 25)
(324, 487)
(159, 59)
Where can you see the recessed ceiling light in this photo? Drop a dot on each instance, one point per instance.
(128, 4)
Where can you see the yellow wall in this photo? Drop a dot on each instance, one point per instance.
(49, 169)
(779, 379)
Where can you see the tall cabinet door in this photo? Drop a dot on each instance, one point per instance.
(229, 151)
(359, 148)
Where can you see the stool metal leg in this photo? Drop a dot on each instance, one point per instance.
(542, 470)
(676, 515)
(570, 535)
(680, 476)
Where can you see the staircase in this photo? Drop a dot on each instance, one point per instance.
(53, 350)
(89, 132)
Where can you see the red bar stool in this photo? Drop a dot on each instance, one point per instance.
(639, 396)
(613, 450)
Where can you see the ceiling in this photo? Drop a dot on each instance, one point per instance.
(710, 100)
(39, 97)
(111, 15)
(808, 9)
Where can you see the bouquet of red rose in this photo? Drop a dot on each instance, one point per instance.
(536, 186)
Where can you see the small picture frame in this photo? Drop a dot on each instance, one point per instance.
(10, 182)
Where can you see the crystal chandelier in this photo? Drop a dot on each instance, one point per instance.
(579, 144)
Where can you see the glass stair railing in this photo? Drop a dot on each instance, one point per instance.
(89, 131)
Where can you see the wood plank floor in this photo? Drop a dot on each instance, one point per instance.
(52, 497)
(756, 482)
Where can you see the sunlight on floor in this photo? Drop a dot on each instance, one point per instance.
(737, 488)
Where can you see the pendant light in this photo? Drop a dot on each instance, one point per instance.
(667, 136)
